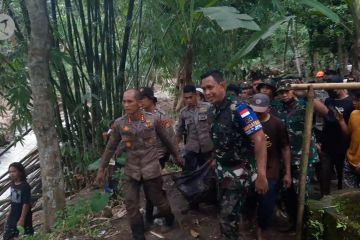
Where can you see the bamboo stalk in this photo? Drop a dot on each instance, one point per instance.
(304, 161)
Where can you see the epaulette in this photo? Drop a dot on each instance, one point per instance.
(183, 109)
(162, 112)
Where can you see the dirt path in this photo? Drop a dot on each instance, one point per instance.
(204, 222)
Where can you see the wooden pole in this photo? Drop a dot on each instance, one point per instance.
(304, 161)
(316, 86)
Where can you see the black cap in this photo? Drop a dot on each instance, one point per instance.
(147, 92)
(267, 82)
(334, 79)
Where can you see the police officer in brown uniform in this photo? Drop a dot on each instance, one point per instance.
(194, 124)
(148, 103)
(140, 133)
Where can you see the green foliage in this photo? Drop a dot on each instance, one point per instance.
(98, 202)
(256, 37)
(342, 223)
(77, 159)
(322, 8)
(75, 219)
(229, 18)
(316, 227)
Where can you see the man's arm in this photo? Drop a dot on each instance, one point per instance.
(286, 156)
(344, 127)
(260, 151)
(167, 140)
(320, 108)
(25, 210)
(26, 200)
(180, 129)
(251, 126)
(111, 146)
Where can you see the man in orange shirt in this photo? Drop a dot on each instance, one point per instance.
(352, 163)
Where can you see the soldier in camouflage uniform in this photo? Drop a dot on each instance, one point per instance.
(245, 91)
(268, 87)
(292, 113)
(140, 132)
(240, 152)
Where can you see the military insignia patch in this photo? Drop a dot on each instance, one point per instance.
(148, 124)
(126, 128)
(203, 109)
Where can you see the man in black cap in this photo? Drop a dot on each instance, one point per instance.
(148, 103)
(232, 91)
(267, 87)
(245, 91)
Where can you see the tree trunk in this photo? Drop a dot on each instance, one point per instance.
(354, 7)
(120, 79)
(43, 112)
(184, 76)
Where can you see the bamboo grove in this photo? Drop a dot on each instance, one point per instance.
(87, 71)
(100, 48)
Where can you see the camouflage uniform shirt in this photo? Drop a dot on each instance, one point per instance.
(293, 115)
(231, 126)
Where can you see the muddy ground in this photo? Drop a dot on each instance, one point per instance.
(202, 222)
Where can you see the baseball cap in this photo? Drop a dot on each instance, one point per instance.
(147, 92)
(334, 79)
(259, 102)
(200, 90)
(284, 85)
(245, 85)
(267, 82)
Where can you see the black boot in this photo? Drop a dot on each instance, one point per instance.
(149, 212)
(169, 223)
(138, 231)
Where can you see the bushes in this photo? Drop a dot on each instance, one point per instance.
(75, 219)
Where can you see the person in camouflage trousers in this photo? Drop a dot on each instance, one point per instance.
(239, 152)
(292, 113)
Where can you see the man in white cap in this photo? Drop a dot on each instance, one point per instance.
(277, 141)
(200, 94)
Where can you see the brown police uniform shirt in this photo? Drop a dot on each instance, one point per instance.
(141, 141)
(194, 123)
(167, 123)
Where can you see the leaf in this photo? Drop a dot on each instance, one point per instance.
(99, 201)
(322, 8)
(255, 38)
(229, 18)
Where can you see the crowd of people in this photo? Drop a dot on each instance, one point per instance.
(252, 136)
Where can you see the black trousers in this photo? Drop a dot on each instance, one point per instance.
(153, 190)
(328, 161)
(194, 160)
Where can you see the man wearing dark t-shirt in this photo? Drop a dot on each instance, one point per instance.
(333, 142)
(20, 195)
(277, 149)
